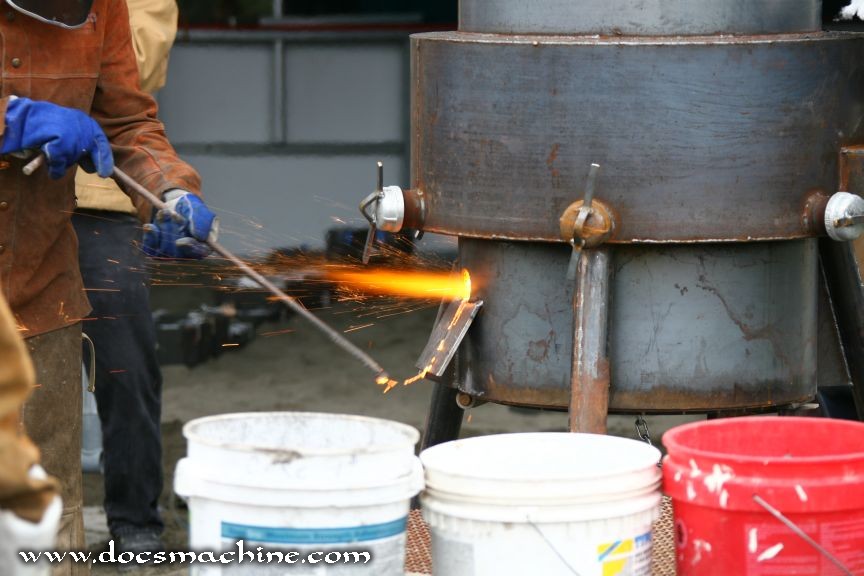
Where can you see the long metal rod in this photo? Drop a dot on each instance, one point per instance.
(589, 377)
(800, 533)
(292, 303)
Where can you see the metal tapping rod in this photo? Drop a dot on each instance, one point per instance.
(292, 303)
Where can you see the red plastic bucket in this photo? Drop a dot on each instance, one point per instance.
(727, 476)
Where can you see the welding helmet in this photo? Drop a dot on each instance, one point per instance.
(63, 13)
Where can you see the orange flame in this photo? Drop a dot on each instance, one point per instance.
(405, 283)
(409, 284)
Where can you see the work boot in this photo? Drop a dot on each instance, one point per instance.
(137, 541)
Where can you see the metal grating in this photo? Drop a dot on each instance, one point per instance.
(418, 546)
(663, 542)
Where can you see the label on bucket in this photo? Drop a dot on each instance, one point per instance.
(626, 557)
(385, 544)
(528, 549)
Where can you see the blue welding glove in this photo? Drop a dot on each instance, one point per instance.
(184, 233)
(65, 135)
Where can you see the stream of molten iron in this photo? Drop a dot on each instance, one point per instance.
(409, 284)
(405, 283)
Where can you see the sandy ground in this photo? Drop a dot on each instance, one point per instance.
(290, 366)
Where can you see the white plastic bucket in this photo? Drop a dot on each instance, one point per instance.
(302, 482)
(545, 503)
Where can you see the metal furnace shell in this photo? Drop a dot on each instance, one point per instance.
(696, 328)
(701, 139)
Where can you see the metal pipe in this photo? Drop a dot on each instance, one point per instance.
(444, 419)
(589, 377)
(292, 303)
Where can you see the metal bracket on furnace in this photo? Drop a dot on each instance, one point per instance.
(390, 208)
(586, 223)
(447, 335)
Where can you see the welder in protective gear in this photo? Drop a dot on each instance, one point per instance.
(113, 267)
(65, 61)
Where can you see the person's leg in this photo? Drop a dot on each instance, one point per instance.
(52, 418)
(128, 379)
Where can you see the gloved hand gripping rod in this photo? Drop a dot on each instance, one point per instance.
(292, 303)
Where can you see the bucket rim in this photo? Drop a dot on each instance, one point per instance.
(189, 482)
(411, 433)
(675, 448)
(436, 469)
(188, 469)
(484, 511)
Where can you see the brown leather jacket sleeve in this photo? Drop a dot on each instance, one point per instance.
(128, 116)
(25, 496)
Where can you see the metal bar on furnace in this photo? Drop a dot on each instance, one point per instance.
(590, 378)
(292, 303)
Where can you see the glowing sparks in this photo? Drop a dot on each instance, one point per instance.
(277, 332)
(387, 382)
(420, 376)
(404, 283)
(440, 348)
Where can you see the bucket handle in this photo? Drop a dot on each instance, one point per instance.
(553, 548)
(801, 534)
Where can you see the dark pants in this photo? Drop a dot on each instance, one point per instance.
(128, 379)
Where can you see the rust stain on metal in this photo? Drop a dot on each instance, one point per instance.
(717, 398)
(415, 208)
(598, 228)
(550, 163)
(768, 332)
(505, 393)
(589, 400)
(553, 155)
(813, 212)
(538, 350)
(848, 153)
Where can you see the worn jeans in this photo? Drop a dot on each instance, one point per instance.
(128, 379)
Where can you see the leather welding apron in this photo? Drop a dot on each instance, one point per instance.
(52, 417)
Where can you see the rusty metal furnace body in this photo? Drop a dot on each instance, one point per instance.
(682, 274)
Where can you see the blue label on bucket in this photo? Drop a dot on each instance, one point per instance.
(352, 534)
